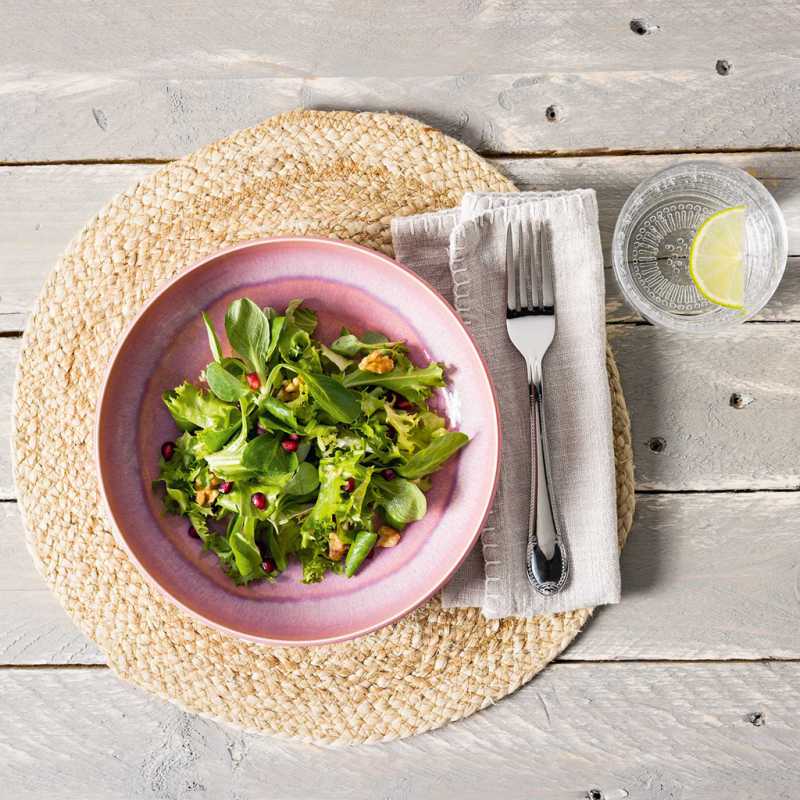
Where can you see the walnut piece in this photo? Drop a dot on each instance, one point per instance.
(336, 547)
(205, 496)
(376, 362)
(290, 389)
(387, 537)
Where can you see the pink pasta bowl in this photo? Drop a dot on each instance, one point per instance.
(347, 285)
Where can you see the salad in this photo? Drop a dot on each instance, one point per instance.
(292, 447)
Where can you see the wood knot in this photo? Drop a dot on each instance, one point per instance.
(594, 794)
(642, 28)
(657, 444)
(757, 718)
(739, 400)
(724, 67)
(551, 113)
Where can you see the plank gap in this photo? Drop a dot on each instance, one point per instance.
(595, 152)
(44, 667)
(530, 155)
(88, 162)
(772, 490)
(565, 659)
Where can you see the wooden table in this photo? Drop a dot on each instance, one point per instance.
(688, 689)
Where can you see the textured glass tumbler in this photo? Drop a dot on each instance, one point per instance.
(654, 232)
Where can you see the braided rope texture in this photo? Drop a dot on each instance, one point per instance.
(334, 174)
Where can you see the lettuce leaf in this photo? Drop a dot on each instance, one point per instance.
(430, 458)
(400, 501)
(413, 430)
(347, 427)
(413, 383)
(192, 408)
(350, 345)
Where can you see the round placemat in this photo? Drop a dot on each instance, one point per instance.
(333, 174)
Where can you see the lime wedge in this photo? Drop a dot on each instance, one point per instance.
(716, 258)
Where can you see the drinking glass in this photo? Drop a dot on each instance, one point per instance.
(654, 232)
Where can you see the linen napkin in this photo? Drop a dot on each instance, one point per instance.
(461, 252)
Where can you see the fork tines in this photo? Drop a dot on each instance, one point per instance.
(529, 267)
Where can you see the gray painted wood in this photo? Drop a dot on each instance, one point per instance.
(144, 80)
(42, 208)
(615, 177)
(34, 629)
(631, 731)
(693, 575)
(705, 576)
(9, 353)
(80, 83)
(686, 434)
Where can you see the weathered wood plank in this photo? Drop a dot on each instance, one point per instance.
(641, 732)
(41, 208)
(686, 432)
(615, 177)
(34, 629)
(195, 72)
(9, 354)
(693, 576)
(694, 572)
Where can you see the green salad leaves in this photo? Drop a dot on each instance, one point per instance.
(294, 448)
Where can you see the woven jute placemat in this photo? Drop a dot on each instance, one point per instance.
(333, 174)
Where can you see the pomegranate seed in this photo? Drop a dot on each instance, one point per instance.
(253, 381)
(290, 445)
(167, 450)
(389, 474)
(225, 487)
(349, 485)
(294, 437)
(268, 565)
(259, 500)
(193, 533)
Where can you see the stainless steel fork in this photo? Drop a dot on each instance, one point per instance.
(531, 323)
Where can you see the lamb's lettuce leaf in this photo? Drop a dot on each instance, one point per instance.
(248, 332)
(413, 383)
(430, 458)
(225, 386)
(213, 339)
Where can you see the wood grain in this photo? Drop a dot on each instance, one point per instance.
(704, 576)
(34, 629)
(149, 80)
(196, 70)
(686, 434)
(615, 177)
(639, 732)
(693, 575)
(9, 354)
(42, 208)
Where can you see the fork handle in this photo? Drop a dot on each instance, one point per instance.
(547, 573)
